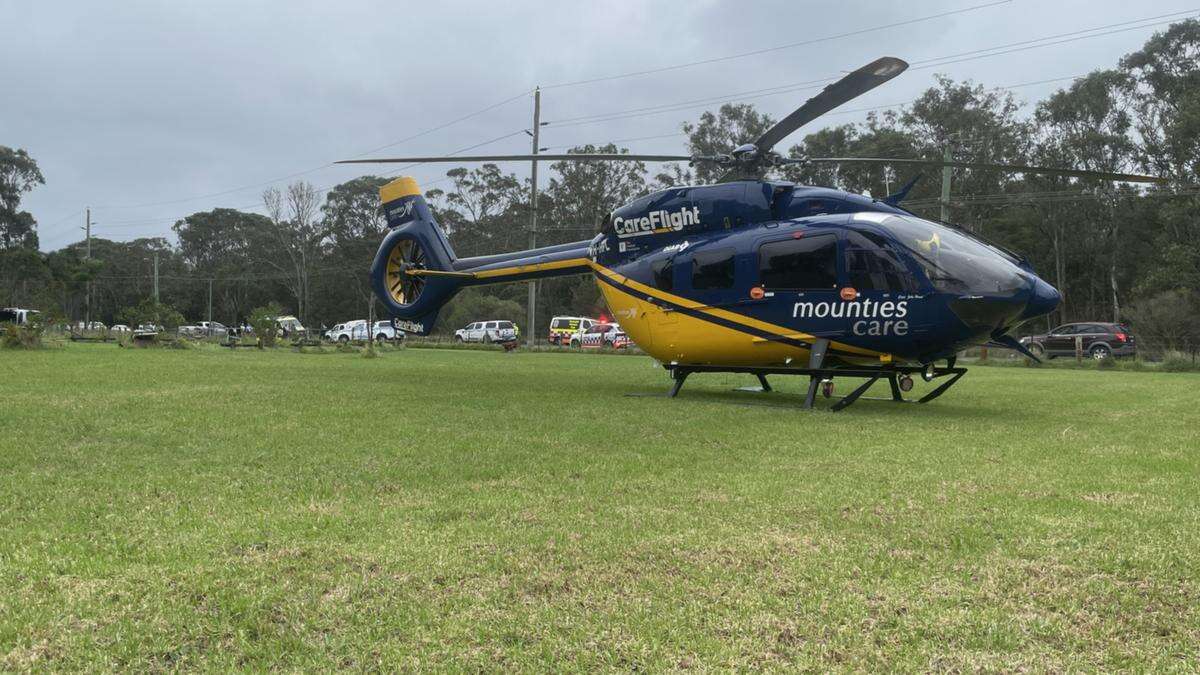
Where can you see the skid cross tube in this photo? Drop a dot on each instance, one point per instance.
(818, 373)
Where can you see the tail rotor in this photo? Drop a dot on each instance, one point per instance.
(405, 265)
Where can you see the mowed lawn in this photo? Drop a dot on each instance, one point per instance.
(478, 510)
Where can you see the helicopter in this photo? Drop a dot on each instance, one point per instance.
(757, 276)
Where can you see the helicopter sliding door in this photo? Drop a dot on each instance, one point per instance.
(802, 270)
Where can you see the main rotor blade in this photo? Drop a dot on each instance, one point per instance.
(1009, 168)
(849, 87)
(580, 157)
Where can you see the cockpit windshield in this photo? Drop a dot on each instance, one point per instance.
(954, 261)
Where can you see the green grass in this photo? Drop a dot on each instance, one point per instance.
(445, 509)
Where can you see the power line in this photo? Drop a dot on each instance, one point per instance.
(1030, 44)
(933, 62)
(570, 84)
(323, 166)
(767, 50)
(62, 220)
(1018, 198)
(770, 91)
(847, 111)
(144, 222)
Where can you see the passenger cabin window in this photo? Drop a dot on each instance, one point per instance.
(663, 270)
(872, 264)
(712, 270)
(808, 262)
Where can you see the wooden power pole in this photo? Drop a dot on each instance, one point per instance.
(946, 154)
(87, 300)
(530, 322)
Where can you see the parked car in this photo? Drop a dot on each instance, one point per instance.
(204, 329)
(601, 335)
(1100, 340)
(17, 315)
(384, 330)
(350, 330)
(119, 328)
(562, 328)
(80, 326)
(487, 331)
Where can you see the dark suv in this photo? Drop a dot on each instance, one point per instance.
(1100, 340)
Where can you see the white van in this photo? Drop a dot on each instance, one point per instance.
(563, 328)
(17, 315)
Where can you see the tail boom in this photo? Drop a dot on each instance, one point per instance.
(415, 271)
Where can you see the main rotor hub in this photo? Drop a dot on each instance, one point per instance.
(746, 152)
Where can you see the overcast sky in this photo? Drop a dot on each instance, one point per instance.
(149, 111)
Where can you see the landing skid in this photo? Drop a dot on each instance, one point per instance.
(818, 375)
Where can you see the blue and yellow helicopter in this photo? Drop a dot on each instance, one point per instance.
(756, 276)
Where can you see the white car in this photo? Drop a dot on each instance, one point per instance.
(350, 330)
(487, 332)
(384, 330)
(119, 328)
(601, 335)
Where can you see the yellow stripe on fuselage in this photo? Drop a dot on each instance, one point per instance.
(670, 335)
(735, 317)
(581, 263)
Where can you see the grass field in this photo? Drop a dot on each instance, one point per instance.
(477, 510)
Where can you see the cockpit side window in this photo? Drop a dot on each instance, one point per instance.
(806, 263)
(663, 271)
(713, 270)
(873, 264)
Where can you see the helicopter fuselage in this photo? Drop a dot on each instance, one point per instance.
(753, 272)
(745, 273)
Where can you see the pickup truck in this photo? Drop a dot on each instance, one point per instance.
(345, 332)
(488, 332)
(204, 329)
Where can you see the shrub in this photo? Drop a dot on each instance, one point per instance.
(148, 311)
(262, 320)
(1169, 320)
(28, 336)
(1178, 362)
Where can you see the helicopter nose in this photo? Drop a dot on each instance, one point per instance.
(1042, 300)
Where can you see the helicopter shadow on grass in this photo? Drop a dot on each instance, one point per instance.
(875, 400)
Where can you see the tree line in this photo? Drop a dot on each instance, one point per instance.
(1125, 254)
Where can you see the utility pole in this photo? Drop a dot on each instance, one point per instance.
(87, 320)
(530, 327)
(210, 306)
(156, 277)
(946, 154)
